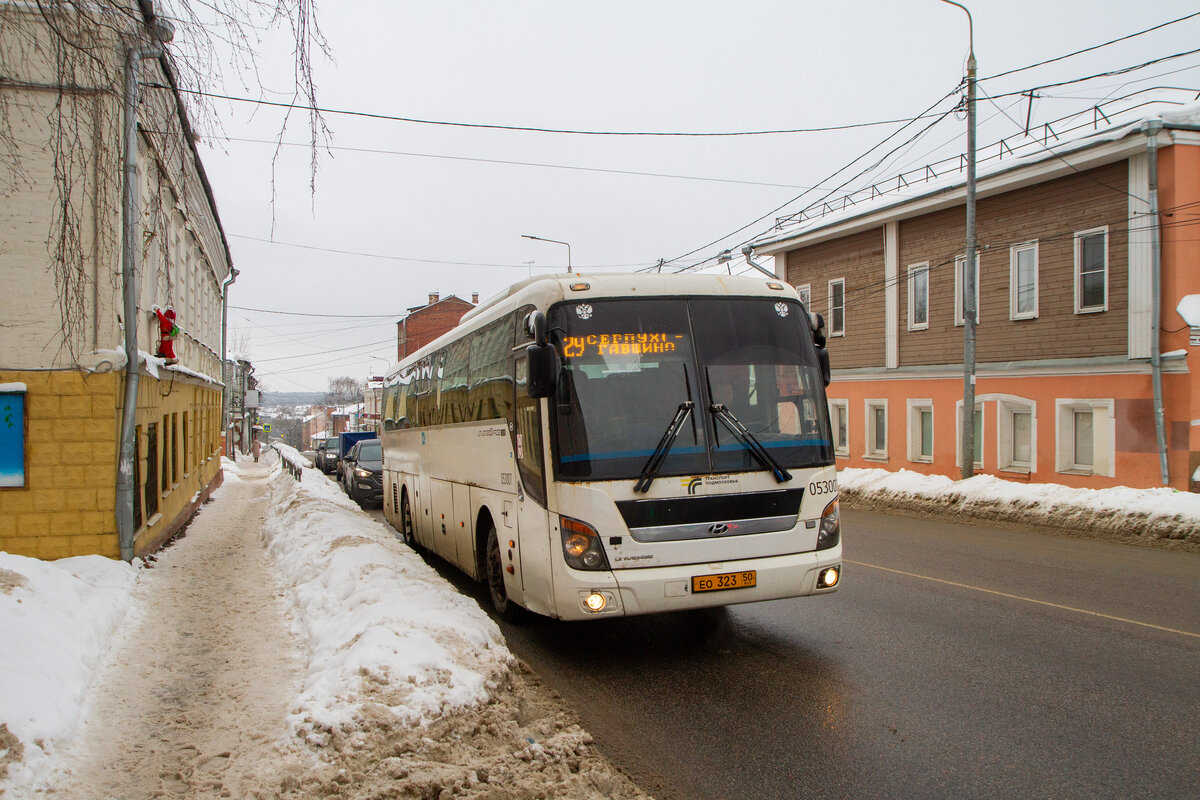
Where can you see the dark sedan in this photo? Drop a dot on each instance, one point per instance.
(362, 472)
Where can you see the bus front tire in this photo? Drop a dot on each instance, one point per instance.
(505, 608)
(406, 523)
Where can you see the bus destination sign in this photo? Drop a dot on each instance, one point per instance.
(619, 344)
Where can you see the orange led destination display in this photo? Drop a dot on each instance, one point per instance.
(619, 344)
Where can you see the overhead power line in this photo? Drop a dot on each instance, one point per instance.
(303, 314)
(517, 163)
(1089, 49)
(524, 128)
(415, 260)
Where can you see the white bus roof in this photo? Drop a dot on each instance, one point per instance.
(543, 291)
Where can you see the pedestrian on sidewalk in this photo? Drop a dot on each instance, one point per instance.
(256, 447)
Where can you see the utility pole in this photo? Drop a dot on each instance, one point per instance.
(970, 267)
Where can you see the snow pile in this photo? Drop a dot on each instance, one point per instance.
(1160, 513)
(388, 638)
(56, 621)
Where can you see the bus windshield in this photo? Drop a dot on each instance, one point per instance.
(628, 365)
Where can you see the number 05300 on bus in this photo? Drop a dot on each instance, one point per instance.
(590, 446)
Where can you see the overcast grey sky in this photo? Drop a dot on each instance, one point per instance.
(404, 209)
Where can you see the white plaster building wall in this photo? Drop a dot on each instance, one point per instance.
(186, 274)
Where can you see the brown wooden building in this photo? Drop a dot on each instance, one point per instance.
(1066, 324)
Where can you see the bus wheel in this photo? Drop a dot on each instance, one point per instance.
(406, 524)
(505, 608)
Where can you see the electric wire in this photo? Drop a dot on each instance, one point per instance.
(1093, 47)
(522, 128)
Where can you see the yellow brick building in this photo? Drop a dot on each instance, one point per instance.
(62, 356)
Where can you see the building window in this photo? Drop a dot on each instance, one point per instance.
(920, 430)
(151, 487)
(918, 297)
(174, 449)
(837, 307)
(13, 473)
(839, 420)
(1016, 435)
(876, 427)
(1091, 271)
(1085, 437)
(959, 277)
(1023, 281)
(978, 435)
(805, 293)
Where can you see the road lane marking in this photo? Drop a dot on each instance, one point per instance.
(1026, 599)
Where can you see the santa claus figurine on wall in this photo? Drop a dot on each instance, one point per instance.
(168, 330)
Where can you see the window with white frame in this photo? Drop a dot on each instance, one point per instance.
(805, 292)
(1091, 271)
(1084, 437)
(960, 274)
(1023, 281)
(920, 430)
(837, 307)
(918, 296)
(978, 432)
(839, 421)
(1016, 435)
(876, 428)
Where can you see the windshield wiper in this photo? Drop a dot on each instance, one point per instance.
(664, 446)
(752, 444)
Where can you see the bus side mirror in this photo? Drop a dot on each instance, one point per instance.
(542, 363)
(823, 360)
(816, 324)
(540, 357)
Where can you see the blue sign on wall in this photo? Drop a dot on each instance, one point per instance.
(12, 439)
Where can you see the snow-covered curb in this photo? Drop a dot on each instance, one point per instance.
(1120, 511)
(385, 632)
(57, 620)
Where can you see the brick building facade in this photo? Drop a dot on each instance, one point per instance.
(426, 323)
(1064, 387)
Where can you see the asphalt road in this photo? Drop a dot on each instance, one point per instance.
(957, 661)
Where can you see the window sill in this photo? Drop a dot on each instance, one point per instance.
(157, 518)
(1017, 470)
(841, 453)
(881, 457)
(921, 460)
(1022, 317)
(1096, 310)
(914, 329)
(1075, 471)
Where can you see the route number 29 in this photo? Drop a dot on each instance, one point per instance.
(822, 487)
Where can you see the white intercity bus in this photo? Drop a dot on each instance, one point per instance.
(594, 446)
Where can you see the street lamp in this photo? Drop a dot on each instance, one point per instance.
(970, 266)
(554, 241)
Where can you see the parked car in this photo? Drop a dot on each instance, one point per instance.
(327, 456)
(362, 472)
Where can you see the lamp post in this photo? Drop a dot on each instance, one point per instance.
(970, 266)
(554, 241)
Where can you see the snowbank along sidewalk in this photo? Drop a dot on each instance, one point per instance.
(1158, 515)
(402, 687)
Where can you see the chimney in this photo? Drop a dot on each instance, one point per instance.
(433, 297)
(474, 298)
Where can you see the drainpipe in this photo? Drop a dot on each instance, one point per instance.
(131, 253)
(233, 273)
(1153, 126)
(748, 252)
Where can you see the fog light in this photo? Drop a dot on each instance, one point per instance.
(828, 578)
(595, 602)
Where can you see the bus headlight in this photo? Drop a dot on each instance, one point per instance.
(581, 545)
(831, 531)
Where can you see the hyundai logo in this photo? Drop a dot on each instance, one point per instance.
(718, 529)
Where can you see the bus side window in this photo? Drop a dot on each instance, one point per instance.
(529, 436)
